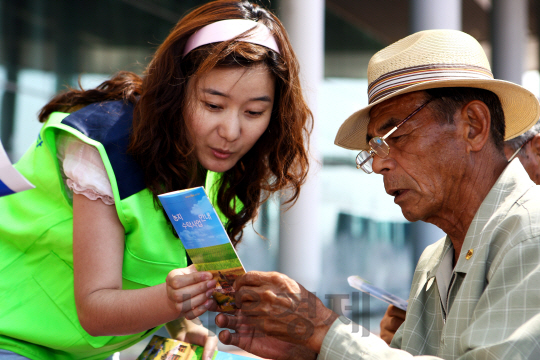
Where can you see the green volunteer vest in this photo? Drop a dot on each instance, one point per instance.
(38, 317)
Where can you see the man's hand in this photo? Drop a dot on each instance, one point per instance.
(280, 307)
(391, 321)
(248, 338)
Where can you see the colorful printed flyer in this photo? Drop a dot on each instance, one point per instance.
(11, 180)
(160, 348)
(358, 283)
(205, 240)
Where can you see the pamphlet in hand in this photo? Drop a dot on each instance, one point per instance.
(11, 180)
(205, 240)
(164, 348)
(358, 283)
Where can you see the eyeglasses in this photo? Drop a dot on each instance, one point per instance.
(518, 150)
(378, 145)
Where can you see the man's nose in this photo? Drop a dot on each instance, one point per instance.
(230, 127)
(380, 165)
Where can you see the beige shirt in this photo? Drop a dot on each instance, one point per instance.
(491, 309)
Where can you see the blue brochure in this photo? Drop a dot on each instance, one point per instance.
(205, 239)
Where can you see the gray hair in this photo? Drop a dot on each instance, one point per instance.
(518, 141)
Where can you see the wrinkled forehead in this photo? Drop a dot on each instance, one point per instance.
(384, 116)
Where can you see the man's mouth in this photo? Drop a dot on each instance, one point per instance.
(397, 192)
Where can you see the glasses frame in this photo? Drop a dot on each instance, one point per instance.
(518, 150)
(377, 139)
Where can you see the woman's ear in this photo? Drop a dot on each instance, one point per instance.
(476, 124)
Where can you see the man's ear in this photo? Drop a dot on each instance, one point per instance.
(535, 145)
(476, 124)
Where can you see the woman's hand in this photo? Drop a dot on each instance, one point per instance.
(391, 321)
(193, 332)
(189, 291)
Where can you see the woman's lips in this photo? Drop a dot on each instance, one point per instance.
(221, 154)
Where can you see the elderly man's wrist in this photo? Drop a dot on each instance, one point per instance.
(325, 320)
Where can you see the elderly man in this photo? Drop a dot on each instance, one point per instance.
(526, 148)
(434, 129)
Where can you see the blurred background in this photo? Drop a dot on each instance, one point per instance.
(344, 223)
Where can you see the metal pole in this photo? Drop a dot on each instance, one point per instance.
(435, 14)
(509, 37)
(299, 245)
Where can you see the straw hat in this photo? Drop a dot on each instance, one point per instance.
(434, 59)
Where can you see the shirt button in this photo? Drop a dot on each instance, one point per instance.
(469, 254)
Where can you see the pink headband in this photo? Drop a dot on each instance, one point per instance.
(229, 29)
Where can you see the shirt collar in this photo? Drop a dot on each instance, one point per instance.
(438, 255)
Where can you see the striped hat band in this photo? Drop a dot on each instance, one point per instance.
(399, 79)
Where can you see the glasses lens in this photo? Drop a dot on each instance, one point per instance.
(364, 160)
(380, 147)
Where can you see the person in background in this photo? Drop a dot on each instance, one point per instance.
(526, 147)
(434, 129)
(89, 263)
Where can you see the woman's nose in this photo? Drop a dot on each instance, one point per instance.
(230, 128)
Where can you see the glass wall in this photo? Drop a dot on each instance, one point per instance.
(47, 45)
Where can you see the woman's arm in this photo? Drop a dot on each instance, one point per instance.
(193, 332)
(102, 306)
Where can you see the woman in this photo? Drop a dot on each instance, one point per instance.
(89, 262)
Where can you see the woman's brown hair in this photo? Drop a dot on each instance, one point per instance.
(160, 140)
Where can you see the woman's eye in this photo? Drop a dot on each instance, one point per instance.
(212, 106)
(255, 113)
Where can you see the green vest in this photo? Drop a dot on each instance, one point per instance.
(38, 317)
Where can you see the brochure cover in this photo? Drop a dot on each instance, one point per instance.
(11, 180)
(205, 240)
(169, 349)
(358, 283)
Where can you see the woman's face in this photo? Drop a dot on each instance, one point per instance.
(230, 109)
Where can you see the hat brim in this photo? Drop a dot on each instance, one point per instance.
(520, 106)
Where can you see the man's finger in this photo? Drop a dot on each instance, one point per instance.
(252, 278)
(395, 323)
(228, 322)
(247, 297)
(395, 311)
(226, 338)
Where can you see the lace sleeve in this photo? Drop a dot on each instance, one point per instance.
(83, 169)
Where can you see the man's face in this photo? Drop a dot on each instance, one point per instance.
(423, 168)
(529, 156)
